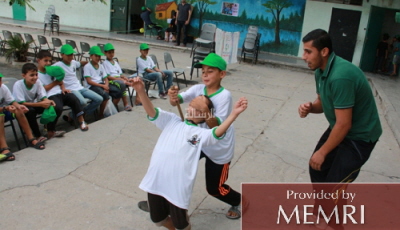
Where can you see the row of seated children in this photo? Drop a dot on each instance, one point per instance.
(57, 85)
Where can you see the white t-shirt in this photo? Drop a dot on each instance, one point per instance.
(114, 70)
(6, 97)
(71, 81)
(97, 75)
(223, 151)
(47, 79)
(23, 94)
(173, 165)
(145, 64)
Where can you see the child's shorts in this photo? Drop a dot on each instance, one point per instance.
(161, 208)
(396, 59)
(8, 116)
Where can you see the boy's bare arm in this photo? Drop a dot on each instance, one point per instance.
(240, 106)
(45, 103)
(51, 85)
(138, 85)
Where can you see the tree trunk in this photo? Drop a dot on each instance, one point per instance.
(277, 35)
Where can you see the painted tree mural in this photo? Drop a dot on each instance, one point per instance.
(201, 6)
(275, 7)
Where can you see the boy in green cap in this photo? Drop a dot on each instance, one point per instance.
(149, 70)
(52, 79)
(173, 167)
(10, 109)
(115, 75)
(97, 79)
(72, 83)
(219, 156)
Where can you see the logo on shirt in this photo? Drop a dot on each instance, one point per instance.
(101, 73)
(74, 69)
(2, 101)
(194, 141)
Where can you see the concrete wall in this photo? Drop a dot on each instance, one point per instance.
(318, 15)
(76, 13)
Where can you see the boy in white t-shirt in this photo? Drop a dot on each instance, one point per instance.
(115, 75)
(31, 93)
(218, 157)
(10, 109)
(52, 78)
(71, 81)
(149, 70)
(97, 79)
(171, 174)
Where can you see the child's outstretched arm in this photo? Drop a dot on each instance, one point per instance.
(240, 106)
(138, 85)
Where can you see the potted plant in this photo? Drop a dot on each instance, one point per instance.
(17, 49)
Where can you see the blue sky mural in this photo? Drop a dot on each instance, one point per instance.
(286, 41)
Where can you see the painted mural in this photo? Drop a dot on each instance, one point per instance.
(280, 22)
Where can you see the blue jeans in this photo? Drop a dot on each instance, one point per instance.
(89, 94)
(157, 76)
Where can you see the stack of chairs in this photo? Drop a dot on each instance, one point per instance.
(251, 44)
(203, 45)
(52, 20)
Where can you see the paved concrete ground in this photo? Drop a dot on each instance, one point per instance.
(90, 180)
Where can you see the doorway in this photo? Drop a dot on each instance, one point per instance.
(343, 30)
(119, 15)
(19, 12)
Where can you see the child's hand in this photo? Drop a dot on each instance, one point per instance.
(23, 108)
(11, 108)
(240, 106)
(65, 91)
(173, 94)
(137, 83)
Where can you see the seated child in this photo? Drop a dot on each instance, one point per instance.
(51, 77)
(71, 82)
(115, 75)
(145, 15)
(173, 167)
(97, 79)
(150, 71)
(171, 28)
(30, 92)
(9, 109)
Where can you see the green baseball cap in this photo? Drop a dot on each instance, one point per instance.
(1, 75)
(56, 71)
(143, 8)
(67, 49)
(144, 46)
(95, 50)
(108, 47)
(212, 60)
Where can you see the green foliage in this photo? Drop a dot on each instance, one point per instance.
(16, 48)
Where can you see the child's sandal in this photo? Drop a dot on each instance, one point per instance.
(39, 144)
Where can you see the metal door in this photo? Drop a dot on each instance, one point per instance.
(343, 30)
(119, 15)
(19, 12)
(372, 38)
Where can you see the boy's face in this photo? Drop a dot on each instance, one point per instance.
(95, 58)
(198, 111)
(30, 77)
(109, 54)
(67, 59)
(144, 53)
(46, 61)
(211, 75)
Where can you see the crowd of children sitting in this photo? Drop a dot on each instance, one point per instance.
(46, 88)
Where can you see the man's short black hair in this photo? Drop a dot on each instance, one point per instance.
(320, 38)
